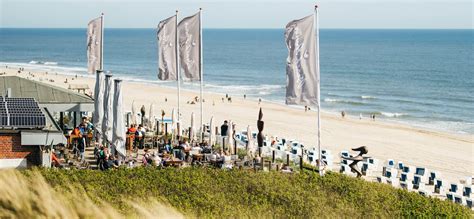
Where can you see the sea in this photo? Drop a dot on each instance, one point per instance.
(424, 78)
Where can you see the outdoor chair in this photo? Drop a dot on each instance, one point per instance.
(469, 203)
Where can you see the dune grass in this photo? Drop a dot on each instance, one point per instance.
(212, 193)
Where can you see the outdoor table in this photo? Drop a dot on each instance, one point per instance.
(174, 163)
(198, 157)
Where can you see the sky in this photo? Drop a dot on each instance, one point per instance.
(387, 14)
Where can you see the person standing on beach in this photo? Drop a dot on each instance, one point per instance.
(224, 128)
(259, 101)
(360, 116)
(306, 108)
(343, 114)
(245, 96)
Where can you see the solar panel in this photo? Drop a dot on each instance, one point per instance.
(21, 113)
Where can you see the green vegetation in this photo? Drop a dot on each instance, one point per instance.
(204, 192)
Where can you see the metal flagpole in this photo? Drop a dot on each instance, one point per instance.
(102, 42)
(177, 73)
(318, 86)
(201, 72)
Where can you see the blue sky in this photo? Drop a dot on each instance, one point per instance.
(436, 14)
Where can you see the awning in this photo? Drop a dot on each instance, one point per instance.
(42, 138)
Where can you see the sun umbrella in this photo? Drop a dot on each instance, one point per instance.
(107, 123)
(151, 118)
(118, 140)
(173, 123)
(99, 104)
(249, 140)
(192, 130)
(211, 131)
(230, 135)
(134, 113)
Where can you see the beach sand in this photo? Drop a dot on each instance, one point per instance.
(450, 154)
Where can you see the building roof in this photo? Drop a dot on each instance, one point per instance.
(42, 92)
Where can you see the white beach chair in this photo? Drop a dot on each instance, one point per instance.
(458, 199)
(390, 163)
(455, 188)
(400, 165)
(405, 183)
(467, 191)
(450, 196)
(469, 202)
(391, 175)
(433, 176)
(345, 154)
(439, 186)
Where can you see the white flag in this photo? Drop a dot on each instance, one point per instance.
(301, 68)
(167, 49)
(189, 30)
(94, 45)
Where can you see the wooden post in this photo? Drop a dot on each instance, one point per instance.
(235, 147)
(269, 166)
(189, 135)
(223, 144)
(61, 122)
(157, 127)
(166, 133)
(301, 163)
(278, 167)
(288, 159)
(273, 156)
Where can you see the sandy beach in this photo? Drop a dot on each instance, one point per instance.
(451, 154)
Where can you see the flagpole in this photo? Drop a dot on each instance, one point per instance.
(201, 72)
(102, 42)
(177, 73)
(318, 87)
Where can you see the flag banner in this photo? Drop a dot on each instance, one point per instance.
(94, 44)
(189, 47)
(167, 49)
(301, 68)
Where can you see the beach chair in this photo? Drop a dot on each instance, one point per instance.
(404, 182)
(345, 162)
(469, 202)
(458, 199)
(407, 169)
(345, 154)
(390, 163)
(346, 170)
(450, 196)
(433, 176)
(400, 165)
(438, 186)
(467, 191)
(417, 182)
(391, 175)
(365, 169)
(454, 188)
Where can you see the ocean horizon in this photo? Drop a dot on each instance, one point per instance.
(422, 77)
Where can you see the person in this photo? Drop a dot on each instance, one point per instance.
(156, 160)
(140, 136)
(306, 108)
(166, 99)
(82, 141)
(245, 96)
(360, 116)
(343, 114)
(54, 160)
(259, 101)
(131, 133)
(373, 116)
(88, 128)
(101, 158)
(224, 128)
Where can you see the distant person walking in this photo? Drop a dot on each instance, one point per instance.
(360, 116)
(259, 101)
(343, 114)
